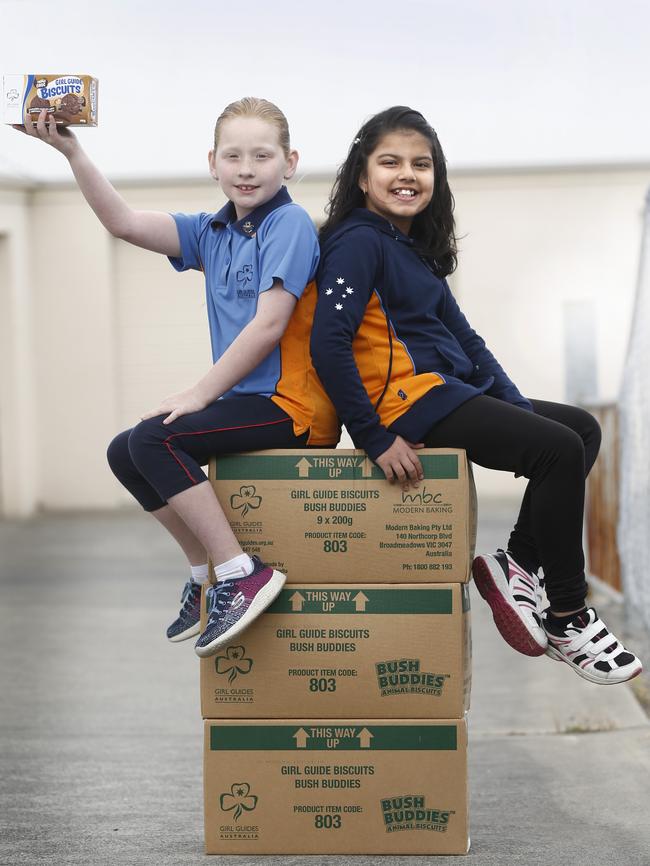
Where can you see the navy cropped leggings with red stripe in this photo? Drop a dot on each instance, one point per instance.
(155, 461)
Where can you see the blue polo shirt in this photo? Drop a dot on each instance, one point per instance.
(241, 259)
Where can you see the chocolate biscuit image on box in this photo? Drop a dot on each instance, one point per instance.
(37, 105)
(72, 104)
(65, 110)
(69, 108)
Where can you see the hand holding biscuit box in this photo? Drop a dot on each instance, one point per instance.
(71, 100)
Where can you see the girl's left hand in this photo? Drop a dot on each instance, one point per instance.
(401, 463)
(179, 404)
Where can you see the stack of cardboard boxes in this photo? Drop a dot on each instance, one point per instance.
(336, 723)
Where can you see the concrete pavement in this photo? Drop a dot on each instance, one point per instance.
(100, 733)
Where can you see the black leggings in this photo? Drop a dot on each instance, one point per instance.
(555, 448)
(155, 461)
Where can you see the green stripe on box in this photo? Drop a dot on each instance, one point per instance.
(328, 738)
(359, 600)
(253, 467)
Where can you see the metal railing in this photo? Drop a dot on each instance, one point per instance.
(603, 499)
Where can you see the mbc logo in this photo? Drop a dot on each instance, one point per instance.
(422, 498)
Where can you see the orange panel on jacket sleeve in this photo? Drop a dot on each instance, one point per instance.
(371, 348)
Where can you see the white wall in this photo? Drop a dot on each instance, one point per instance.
(18, 435)
(531, 243)
(95, 332)
(534, 242)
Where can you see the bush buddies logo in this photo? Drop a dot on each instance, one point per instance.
(246, 499)
(233, 665)
(404, 677)
(410, 812)
(238, 801)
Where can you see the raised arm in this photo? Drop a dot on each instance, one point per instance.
(151, 230)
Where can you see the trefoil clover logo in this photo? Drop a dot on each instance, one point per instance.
(234, 662)
(246, 499)
(245, 275)
(240, 799)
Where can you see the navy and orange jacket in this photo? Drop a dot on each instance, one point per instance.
(371, 278)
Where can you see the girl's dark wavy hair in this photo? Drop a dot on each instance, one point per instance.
(433, 229)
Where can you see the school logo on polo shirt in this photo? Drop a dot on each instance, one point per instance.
(245, 276)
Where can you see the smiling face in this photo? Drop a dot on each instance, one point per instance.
(249, 162)
(398, 180)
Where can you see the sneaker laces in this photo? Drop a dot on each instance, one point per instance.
(217, 596)
(187, 596)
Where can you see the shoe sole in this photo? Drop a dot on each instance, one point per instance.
(557, 656)
(188, 633)
(507, 618)
(262, 600)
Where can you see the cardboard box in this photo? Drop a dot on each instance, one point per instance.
(329, 515)
(71, 99)
(368, 650)
(341, 787)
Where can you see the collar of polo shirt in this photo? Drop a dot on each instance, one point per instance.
(247, 226)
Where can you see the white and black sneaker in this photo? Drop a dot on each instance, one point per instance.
(515, 597)
(589, 647)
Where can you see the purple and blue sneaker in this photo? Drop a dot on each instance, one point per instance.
(234, 604)
(187, 623)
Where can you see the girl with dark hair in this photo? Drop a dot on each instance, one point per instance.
(404, 369)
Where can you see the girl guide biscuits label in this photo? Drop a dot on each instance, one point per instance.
(70, 99)
(323, 650)
(322, 515)
(341, 786)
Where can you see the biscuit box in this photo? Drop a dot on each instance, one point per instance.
(330, 516)
(343, 787)
(71, 99)
(371, 650)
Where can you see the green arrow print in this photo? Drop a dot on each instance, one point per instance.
(307, 738)
(362, 600)
(253, 467)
